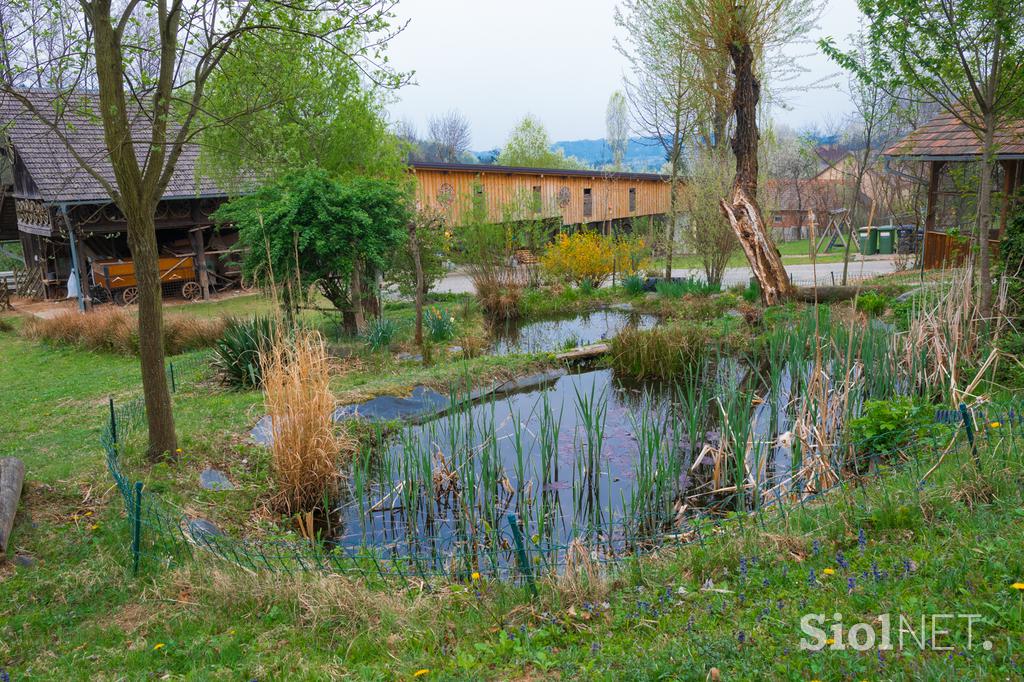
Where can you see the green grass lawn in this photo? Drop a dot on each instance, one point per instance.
(732, 601)
(793, 253)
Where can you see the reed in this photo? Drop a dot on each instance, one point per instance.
(306, 450)
(667, 352)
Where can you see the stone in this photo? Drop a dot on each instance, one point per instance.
(201, 528)
(24, 560)
(215, 479)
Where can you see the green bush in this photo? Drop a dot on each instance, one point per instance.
(752, 292)
(872, 303)
(633, 284)
(380, 333)
(677, 288)
(887, 426)
(440, 325)
(236, 355)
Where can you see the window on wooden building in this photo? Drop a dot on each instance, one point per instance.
(536, 199)
(588, 203)
(632, 199)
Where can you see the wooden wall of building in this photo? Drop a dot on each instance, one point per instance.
(512, 195)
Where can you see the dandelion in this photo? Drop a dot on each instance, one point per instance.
(829, 571)
(995, 425)
(1018, 586)
(94, 526)
(830, 641)
(179, 451)
(159, 646)
(421, 672)
(475, 576)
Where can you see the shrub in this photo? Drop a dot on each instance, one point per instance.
(752, 292)
(236, 355)
(634, 285)
(887, 426)
(872, 303)
(305, 448)
(665, 352)
(380, 333)
(5, 325)
(440, 325)
(588, 257)
(677, 288)
(116, 330)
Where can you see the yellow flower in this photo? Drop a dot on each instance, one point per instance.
(995, 425)
(421, 672)
(475, 576)
(88, 513)
(94, 526)
(1018, 586)
(179, 451)
(830, 641)
(829, 571)
(159, 646)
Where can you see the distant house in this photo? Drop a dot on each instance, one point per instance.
(564, 198)
(797, 206)
(66, 221)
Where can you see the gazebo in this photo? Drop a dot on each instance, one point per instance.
(943, 141)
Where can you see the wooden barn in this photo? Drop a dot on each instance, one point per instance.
(611, 200)
(70, 230)
(941, 145)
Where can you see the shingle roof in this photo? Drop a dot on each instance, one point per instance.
(56, 173)
(945, 137)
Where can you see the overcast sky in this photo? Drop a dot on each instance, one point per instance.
(496, 60)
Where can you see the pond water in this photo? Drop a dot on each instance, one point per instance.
(561, 333)
(583, 456)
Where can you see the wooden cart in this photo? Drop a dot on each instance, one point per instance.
(114, 280)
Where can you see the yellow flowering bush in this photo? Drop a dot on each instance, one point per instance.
(588, 257)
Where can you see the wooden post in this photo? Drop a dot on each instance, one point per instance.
(1009, 180)
(12, 475)
(934, 171)
(199, 249)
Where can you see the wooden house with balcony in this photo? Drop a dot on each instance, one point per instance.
(69, 228)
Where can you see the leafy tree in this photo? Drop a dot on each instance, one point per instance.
(310, 230)
(152, 61)
(529, 145)
(966, 55)
(707, 233)
(617, 121)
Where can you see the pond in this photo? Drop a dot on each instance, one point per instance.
(563, 333)
(583, 456)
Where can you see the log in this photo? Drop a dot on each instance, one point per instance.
(832, 294)
(584, 352)
(12, 475)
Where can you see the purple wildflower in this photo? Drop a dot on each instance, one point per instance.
(811, 579)
(851, 583)
(741, 637)
(841, 560)
(816, 547)
(875, 572)
(595, 647)
(764, 583)
(862, 539)
(743, 567)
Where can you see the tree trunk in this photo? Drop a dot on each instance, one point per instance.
(417, 262)
(985, 220)
(670, 229)
(356, 298)
(159, 416)
(741, 207)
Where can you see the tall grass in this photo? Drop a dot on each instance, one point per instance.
(667, 352)
(116, 330)
(307, 451)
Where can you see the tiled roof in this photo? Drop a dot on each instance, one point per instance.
(55, 171)
(945, 137)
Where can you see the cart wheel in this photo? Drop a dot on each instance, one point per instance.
(129, 295)
(99, 295)
(191, 291)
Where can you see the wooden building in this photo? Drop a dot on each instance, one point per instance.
(940, 145)
(65, 219)
(566, 197)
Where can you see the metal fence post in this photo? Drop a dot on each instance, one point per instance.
(136, 527)
(969, 426)
(174, 384)
(524, 564)
(113, 421)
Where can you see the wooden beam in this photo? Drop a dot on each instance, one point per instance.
(12, 476)
(199, 248)
(934, 172)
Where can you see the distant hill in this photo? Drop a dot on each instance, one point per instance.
(642, 154)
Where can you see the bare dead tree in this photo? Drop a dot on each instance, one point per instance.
(450, 134)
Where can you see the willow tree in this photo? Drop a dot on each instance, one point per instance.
(965, 55)
(148, 63)
(749, 34)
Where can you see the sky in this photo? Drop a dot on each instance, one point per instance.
(496, 60)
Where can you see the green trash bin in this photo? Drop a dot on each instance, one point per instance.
(886, 240)
(868, 241)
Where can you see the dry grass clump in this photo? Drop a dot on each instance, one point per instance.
(663, 352)
(306, 449)
(116, 330)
